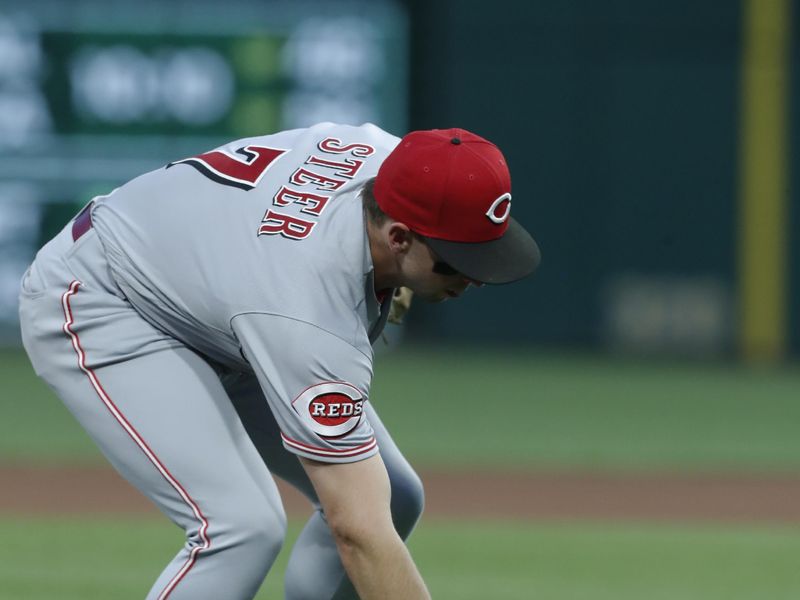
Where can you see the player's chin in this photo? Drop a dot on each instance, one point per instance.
(436, 297)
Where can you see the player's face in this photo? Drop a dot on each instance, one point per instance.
(433, 279)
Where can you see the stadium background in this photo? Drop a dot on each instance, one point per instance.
(653, 149)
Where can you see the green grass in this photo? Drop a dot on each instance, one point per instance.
(520, 409)
(34, 424)
(75, 559)
(583, 412)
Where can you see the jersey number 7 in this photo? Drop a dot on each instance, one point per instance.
(242, 170)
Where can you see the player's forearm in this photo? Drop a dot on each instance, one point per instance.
(356, 497)
(381, 567)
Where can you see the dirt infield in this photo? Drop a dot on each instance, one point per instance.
(26, 490)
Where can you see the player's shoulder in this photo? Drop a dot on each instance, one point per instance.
(365, 139)
(368, 132)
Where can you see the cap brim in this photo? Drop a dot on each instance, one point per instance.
(506, 259)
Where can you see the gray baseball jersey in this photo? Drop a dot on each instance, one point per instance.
(253, 255)
(256, 255)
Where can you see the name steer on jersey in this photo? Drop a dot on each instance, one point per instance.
(206, 359)
(246, 170)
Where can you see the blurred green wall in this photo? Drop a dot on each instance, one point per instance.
(620, 123)
(794, 181)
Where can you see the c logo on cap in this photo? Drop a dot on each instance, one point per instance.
(492, 212)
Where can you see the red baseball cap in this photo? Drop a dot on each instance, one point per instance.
(453, 188)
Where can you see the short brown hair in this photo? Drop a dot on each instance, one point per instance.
(374, 213)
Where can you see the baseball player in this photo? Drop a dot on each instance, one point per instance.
(210, 325)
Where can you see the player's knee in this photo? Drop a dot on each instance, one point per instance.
(408, 499)
(268, 530)
(259, 527)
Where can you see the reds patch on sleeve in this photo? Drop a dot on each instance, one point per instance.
(330, 409)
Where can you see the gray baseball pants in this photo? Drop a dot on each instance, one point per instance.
(199, 442)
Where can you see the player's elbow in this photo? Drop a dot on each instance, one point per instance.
(350, 538)
(358, 531)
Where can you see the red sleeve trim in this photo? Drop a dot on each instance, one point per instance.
(347, 452)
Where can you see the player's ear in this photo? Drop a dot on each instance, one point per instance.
(399, 237)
